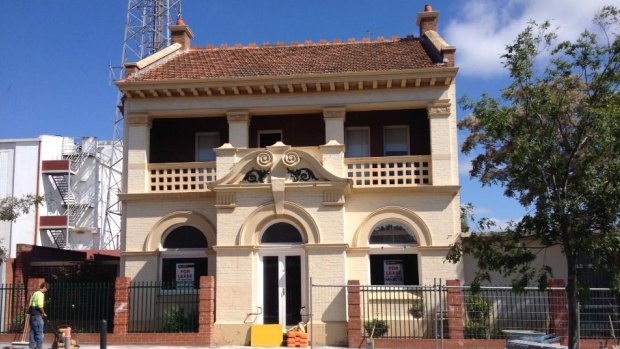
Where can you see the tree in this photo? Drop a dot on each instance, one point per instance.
(552, 140)
(11, 207)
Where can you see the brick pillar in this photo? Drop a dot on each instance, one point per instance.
(121, 305)
(206, 307)
(455, 309)
(558, 308)
(354, 325)
(21, 266)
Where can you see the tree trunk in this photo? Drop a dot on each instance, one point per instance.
(573, 305)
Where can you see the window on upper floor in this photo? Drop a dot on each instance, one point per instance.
(183, 261)
(357, 142)
(205, 143)
(395, 140)
(267, 138)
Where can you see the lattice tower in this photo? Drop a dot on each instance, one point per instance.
(146, 32)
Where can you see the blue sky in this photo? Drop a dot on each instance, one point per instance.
(55, 76)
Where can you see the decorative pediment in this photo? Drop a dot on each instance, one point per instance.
(279, 167)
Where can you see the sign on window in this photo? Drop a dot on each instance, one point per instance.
(185, 275)
(393, 272)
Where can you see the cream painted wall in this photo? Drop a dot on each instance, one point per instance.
(438, 212)
(553, 257)
(141, 217)
(236, 278)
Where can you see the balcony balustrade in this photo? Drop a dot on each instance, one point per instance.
(181, 177)
(391, 171)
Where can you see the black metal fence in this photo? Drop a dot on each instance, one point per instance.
(81, 305)
(12, 308)
(163, 307)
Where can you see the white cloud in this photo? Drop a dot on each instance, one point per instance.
(485, 27)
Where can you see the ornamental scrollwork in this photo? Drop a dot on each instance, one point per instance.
(290, 158)
(302, 175)
(255, 176)
(264, 159)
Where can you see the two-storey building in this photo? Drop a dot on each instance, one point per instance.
(273, 166)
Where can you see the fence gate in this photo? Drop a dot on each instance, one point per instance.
(396, 312)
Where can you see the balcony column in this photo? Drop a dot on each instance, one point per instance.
(136, 144)
(439, 115)
(238, 128)
(333, 150)
(334, 124)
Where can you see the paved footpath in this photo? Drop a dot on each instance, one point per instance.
(97, 346)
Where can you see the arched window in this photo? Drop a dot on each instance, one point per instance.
(394, 265)
(185, 237)
(391, 232)
(183, 261)
(280, 233)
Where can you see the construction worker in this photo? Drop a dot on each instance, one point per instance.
(37, 314)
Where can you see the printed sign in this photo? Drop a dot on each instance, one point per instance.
(393, 272)
(185, 274)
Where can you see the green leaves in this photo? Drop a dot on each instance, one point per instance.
(552, 141)
(11, 207)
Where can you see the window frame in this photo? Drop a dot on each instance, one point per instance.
(394, 249)
(357, 128)
(177, 253)
(197, 144)
(407, 141)
(259, 133)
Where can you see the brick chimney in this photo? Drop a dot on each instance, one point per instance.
(427, 20)
(180, 33)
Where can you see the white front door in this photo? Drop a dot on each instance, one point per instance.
(280, 291)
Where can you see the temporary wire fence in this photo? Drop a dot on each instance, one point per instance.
(403, 311)
(415, 312)
(163, 307)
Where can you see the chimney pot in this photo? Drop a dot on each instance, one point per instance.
(180, 21)
(427, 20)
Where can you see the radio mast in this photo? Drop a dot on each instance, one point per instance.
(146, 32)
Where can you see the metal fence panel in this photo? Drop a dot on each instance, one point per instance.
(81, 305)
(162, 307)
(12, 308)
(327, 317)
(600, 314)
(402, 311)
(416, 312)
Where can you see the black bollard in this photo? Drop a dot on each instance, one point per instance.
(103, 335)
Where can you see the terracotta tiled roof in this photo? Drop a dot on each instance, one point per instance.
(306, 59)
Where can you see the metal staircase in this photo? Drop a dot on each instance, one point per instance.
(59, 236)
(61, 173)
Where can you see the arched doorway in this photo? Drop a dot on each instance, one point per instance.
(281, 270)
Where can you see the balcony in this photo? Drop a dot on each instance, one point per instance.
(181, 177)
(377, 172)
(391, 171)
